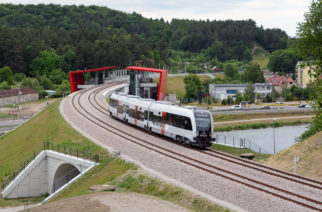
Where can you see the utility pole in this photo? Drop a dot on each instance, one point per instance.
(19, 107)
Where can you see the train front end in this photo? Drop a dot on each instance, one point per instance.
(204, 128)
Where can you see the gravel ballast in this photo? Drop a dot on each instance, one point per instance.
(223, 191)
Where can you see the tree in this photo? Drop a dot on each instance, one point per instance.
(64, 87)
(230, 70)
(4, 86)
(283, 61)
(253, 74)
(309, 44)
(192, 86)
(45, 63)
(45, 82)
(57, 76)
(18, 77)
(6, 75)
(249, 92)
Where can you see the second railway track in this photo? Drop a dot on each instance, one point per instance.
(299, 199)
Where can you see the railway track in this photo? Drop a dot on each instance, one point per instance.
(299, 199)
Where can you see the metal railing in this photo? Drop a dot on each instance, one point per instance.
(244, 143)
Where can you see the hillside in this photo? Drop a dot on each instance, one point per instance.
(309, 152)
(81, 37)
(260, 56)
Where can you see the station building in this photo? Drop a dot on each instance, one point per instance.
(138, 79)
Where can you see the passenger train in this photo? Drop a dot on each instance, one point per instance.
(187, 125)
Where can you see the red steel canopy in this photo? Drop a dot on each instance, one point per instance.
(162, 90)
(77, 78)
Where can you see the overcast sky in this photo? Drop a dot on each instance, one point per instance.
(283, 14)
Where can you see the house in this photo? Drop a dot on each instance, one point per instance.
(216, 69)
(278, 80)
(12, 96)
(303, 78)
(223, 91)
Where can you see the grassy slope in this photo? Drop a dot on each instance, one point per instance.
(261, 57)
(176, 85)
(309, 152)
(19, 145)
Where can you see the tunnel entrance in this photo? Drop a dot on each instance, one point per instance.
(65, 173)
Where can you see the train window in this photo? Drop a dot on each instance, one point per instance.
(178, 121)
(131, 112)
(156, 120)
(141, 115)
(113, 103)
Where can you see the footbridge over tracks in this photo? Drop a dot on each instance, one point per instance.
(49, 173)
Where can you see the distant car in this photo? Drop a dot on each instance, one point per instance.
(308, 106)
(265, 107)
(236, 107)
(279, 103)
(302, 105)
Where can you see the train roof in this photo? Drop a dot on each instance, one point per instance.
(164, 105)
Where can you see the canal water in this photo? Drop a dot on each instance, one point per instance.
(284, 136)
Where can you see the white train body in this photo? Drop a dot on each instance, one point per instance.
(187, 125)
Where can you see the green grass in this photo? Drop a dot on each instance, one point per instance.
(237, 151)
(248, 116)
(6, 115)
(49, 125)
(19, 145)
(147, 185)
(176, 85)
(261, 57)
(259, 125)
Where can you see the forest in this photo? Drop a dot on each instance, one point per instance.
(81, 37)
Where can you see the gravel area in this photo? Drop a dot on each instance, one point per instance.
(219, 189)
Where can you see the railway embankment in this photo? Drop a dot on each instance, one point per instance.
(309, 153)
(49, 126)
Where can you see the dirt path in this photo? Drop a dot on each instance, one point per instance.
(112, 202)
(28, 109)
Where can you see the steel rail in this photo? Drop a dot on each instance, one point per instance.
(199, 162)
(233, 157)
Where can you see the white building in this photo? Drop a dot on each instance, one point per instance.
(222, 91)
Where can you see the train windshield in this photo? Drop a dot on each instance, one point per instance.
(203, 121)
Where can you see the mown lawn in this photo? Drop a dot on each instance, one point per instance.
(237, 151)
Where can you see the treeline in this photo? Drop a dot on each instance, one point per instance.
(89, 37)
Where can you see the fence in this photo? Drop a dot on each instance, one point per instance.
(239, 142)
(49, 146)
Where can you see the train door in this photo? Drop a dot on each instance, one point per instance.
(163, 119)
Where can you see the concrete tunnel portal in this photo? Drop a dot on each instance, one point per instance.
(64, 173)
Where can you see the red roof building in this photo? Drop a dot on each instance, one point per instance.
(278, 80)
(216, 69)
